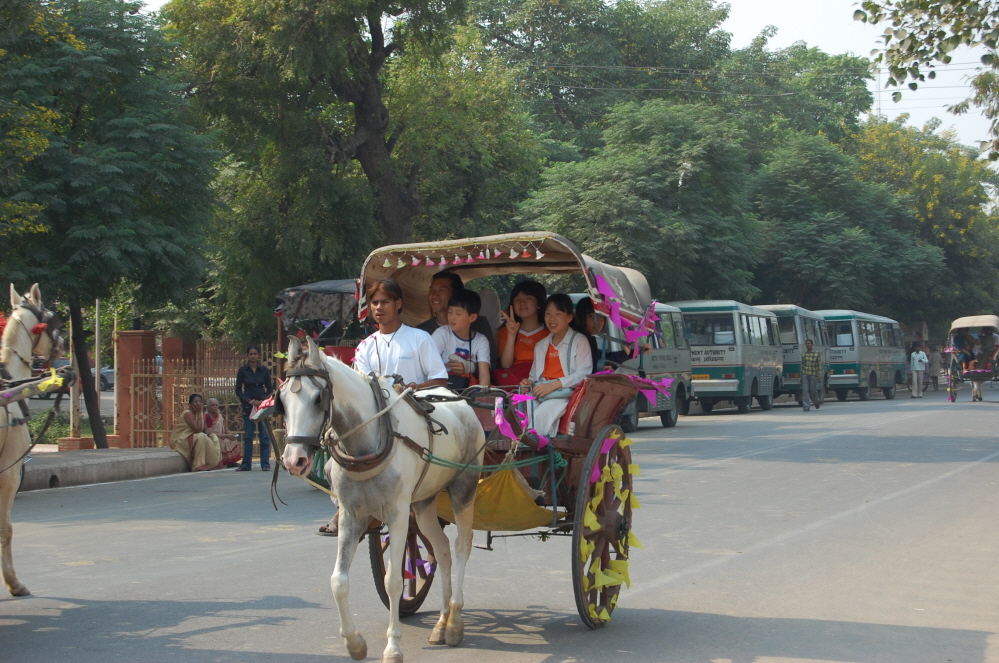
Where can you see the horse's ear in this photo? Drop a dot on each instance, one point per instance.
(15, 299)
(315, 356)
(35, 295)
(294, 350)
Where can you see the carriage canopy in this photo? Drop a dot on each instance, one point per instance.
(323, 300)
(535, 252)
(975, 322)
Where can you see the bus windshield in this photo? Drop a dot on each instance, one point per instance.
(710, 329)
(787, 331)
(841, 333)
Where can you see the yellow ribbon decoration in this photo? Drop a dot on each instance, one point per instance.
(53, 381)
(604, 615)
(633, 470)
(590, 520)
(633, 541)
(620, 567)
(626, 442)
(634, 502)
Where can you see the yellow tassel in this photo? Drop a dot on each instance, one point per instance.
(633, 541)
(613, 601)
(617, 471)
(634, 470)
(586, 584)
(590, 520)
(634, 502)
(620, 567)
(593, 611)
(604, 615)
(626, 442)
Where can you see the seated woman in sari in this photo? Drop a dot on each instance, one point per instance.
(216, 427)
(561, 361)
(190, 440)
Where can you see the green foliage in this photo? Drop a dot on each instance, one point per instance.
(666, 195)
(922, 33)
(123, 182)
(946, 189)
(834, 241)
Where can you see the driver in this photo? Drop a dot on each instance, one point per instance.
(397, 349)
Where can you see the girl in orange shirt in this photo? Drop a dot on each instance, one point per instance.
(522, 332)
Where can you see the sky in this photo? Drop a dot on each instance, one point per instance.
(829, 25)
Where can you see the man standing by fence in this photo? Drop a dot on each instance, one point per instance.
(811, 373)
(253, 385)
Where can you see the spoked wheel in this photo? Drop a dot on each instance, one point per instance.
(952, 386)
(418, 567)
(601, 534)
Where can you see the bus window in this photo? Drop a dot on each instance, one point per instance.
(885, 334)
(871, 334)
(681, 339)
(787, 331)
(710, 329)
(811, 329)
(667, 332)
(841, 333)
(773, 337)
(747, 338)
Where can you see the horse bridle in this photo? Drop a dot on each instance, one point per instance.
(326, 401)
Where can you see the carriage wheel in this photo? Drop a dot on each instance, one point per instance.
(417, 569)
(601, 534)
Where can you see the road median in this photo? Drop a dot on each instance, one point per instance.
(89, 466)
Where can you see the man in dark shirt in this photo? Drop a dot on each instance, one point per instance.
(442, 286)
(253, 385)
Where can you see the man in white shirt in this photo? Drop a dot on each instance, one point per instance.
(397, 349)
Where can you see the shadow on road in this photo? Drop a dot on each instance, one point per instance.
(663, 635)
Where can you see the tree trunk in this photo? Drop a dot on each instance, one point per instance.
(90, 397)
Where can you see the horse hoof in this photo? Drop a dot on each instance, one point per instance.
(392, 659)
(454, 636)
(20, 590)
(437, 636)
(360, 652)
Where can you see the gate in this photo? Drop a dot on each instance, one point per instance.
(160, 388)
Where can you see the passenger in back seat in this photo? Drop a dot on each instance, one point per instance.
(561, 361)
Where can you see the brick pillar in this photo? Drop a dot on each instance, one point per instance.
(175, 352)
(131, 345)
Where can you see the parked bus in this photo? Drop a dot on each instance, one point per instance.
(796, 326)
(735, 353)
(669, 357)
(866, 352)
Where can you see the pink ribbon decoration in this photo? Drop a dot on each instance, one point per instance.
(520, 398)
(504, 426)
(542, 440)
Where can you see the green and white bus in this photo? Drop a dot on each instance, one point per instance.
(866, 352)
(735, 353)
(796, 326)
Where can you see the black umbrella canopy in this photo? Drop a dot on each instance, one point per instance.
(333, 300)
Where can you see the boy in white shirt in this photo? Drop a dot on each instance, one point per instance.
(464, 352)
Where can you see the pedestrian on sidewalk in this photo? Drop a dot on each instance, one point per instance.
(253, 385)
(936, 362)
(811, 374)
(918, 362)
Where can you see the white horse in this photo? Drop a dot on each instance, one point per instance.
(22, 339)
(322, 395)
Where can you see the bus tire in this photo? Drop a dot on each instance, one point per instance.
(744, 403)
(629, 417)
(684, 403)
(889, 392)
(707, 405)
(841, 394)
(668, 418)
(766, 402)
(864, 393)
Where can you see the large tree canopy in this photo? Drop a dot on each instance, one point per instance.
(924, 33)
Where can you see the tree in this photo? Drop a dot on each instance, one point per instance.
(834, 241)
(123, 184)
(946, 187)
(665, 195)
(314, 71)
(923, 33)
(25, 26)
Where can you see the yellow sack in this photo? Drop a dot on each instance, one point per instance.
(502, 504)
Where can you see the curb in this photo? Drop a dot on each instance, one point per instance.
(78, 468)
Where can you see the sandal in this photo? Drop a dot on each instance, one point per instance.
(332, 528)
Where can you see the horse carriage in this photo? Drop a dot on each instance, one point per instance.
(579, 484)
(959, 366)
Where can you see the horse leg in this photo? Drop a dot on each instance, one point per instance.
(350, 533)
(9, 482)
(430, 527)
(398, 527)
(462, 493)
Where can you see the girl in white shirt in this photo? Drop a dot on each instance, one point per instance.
(561, 361)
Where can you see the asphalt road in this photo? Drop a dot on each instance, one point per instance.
(862, 532)
(44, 404)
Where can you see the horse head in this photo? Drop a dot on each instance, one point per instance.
(32, 328)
